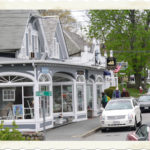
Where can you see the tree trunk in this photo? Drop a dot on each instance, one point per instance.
(137, 80)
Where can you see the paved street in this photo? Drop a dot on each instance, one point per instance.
(76, 131)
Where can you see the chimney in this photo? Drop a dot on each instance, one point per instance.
(111, 53)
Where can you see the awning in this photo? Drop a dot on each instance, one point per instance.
(107, 73)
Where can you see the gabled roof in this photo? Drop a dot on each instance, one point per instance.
(75, 43)
(53, 29)
(12, 28)
(49, 26)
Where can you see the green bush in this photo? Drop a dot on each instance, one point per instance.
(10, 133)
(109, 91)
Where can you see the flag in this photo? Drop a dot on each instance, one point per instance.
(117, 68)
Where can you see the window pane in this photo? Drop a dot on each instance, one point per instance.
(33, 43)
(99, 96)
(67, 98)
(80, 97)
(28, 91)
(57, 105)
(89, 96)
(10, 101)
(27, 45)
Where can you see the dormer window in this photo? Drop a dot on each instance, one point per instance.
(55, 52)
(34, 43)
(27, 44)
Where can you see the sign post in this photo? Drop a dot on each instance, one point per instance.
(43, 94)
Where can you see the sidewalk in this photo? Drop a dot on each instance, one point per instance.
(73, 131)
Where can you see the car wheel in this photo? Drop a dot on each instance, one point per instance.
(135, 125)
(103, 129)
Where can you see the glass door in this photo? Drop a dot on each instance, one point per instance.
(89, 97)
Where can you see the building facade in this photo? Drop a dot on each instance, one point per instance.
(38, 78)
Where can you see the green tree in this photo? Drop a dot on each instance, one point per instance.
(67, 20)
(127, 32)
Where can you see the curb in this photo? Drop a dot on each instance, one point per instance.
(91, 132)
(62, 125)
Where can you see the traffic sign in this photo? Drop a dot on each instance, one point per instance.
(43, 93)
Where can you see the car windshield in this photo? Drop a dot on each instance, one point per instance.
(118, 105)
(144, 98)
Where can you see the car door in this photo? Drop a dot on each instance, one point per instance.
(137, 110)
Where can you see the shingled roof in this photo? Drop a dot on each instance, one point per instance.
(12, 28)
(75, 43)
(49, 26)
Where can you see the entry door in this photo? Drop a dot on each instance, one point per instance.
(46, 100)
(89, 97)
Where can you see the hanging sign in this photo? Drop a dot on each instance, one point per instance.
(43, 93)
(111, 63)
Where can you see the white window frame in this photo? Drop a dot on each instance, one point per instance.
(55, 51)
(8, 90)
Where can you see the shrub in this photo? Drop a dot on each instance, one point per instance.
(10, 133)
(109, 91)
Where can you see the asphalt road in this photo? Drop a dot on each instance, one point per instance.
(76, 131)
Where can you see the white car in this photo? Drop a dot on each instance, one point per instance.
(121, 112)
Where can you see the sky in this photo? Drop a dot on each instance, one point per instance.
(81, 17)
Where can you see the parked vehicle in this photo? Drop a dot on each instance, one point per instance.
(141, 134)
(144, 102)
(121, 112)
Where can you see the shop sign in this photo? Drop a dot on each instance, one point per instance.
(111, 62)
(44, 70)
(43, 93)
(80, 72)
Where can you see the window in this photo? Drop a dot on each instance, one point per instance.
(55, 52)
(80, 78)
(8, 94)
(27, 44)
(99, 79)
(80, 97)
(99, 95)
(135, 103)
(14, 79)
(34, 43)
(29, 37)
(44, 78)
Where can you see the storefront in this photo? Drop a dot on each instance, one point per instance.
(63, 101)
(72, 98)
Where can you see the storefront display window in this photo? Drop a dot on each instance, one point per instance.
(57, 99)
(62, 95)
(80, 97)
(16, 103)
(67, 98)
(89, 96)
(99, 96)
